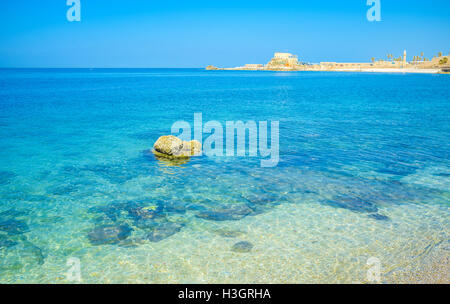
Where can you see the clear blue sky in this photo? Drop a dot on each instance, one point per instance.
(191, 33)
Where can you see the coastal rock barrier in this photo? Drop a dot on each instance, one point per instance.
(172, 147)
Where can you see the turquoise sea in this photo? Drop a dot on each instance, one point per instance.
(364, 173)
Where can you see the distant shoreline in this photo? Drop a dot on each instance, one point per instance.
(373, 70)
(380, 70)
(289, 62)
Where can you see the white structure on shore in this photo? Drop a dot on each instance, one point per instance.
(286, 60)
(283, 56)
(404, 58)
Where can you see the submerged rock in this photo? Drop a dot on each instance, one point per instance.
(379, 217)
(232, 213)
(258, 209)
(147, 224)
(163, 231)
(170, 161)
(242, 247)
(104, 220)
(261, 202)
(196, 207)
(142, 213)
(109, 234)
(13, 226)
(354, 204)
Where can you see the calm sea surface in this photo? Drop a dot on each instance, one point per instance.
(364, 173)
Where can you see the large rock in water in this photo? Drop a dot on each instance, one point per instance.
(172, 147)
(169, 145)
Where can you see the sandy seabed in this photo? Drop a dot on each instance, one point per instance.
(294, 243)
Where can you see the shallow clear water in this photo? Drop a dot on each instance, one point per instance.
(364, 172)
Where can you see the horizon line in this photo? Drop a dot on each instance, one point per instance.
(91, 68)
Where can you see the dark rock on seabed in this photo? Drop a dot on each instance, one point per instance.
(163, 231)
(148, 224)
(354, 204)
(379, 217)
(242, 247)
(142, 213)
(109, 234)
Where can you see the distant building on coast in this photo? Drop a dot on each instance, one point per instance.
(280, 61)
(283, 60)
